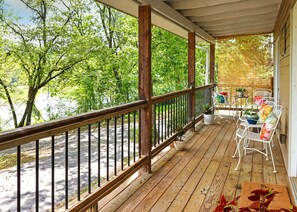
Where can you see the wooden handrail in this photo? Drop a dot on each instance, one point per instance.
(19, 136)
(164, 97)
(205, 86)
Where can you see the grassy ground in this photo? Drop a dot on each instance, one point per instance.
(10, 160)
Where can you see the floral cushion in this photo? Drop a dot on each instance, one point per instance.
(269, 123)
(220, 99)
(259, 100)
(264, 112)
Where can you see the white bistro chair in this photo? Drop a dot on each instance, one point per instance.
(221, 100)
(244, 136)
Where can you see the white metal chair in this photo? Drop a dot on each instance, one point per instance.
(221, 100)
(245, 136)
(262, 93)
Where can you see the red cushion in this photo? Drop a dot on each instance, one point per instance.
(224, 93)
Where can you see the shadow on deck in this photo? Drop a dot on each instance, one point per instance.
(194, 179)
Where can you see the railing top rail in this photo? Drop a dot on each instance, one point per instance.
(19, 136)
(164, 97)
(205, 86)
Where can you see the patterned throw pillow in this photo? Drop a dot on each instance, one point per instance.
(259, 100)
(264, 112)
(220, 99)
(269, 123)
(224, 93)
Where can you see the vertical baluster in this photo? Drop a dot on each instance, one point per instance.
(168, 118)
(162, 121)
(53, 173)
(99, 154)
(78, 164)
(89, 159)
(155, 125)
(176, 123)
(66, 170)
(165, 120)
(171, 117)
(178, 112)
(129, 139)
(139, 134)
(183, 109)
(187, 108)
(107, 149)
(115, 145)
(37, 176)
(122, 143)
(158, 106)
(19, 178)
(134, 136)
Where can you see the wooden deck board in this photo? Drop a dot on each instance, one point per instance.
(193, 180)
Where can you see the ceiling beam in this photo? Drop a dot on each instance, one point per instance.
(234, 33)
(235, 14)
(237, 20)
(217, 12)
(193, 4)
(229, 7)
(170, 13)
(238, 25)
(241, 35)
(241, 29)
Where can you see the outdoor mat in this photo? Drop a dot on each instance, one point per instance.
(281, 200)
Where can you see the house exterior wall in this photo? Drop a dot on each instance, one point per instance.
(282, 33)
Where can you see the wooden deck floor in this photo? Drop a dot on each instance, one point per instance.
(193, 180)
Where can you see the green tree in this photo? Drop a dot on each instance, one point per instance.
(248, 58)
(43, 50)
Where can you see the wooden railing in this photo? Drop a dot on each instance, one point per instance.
(78, 160)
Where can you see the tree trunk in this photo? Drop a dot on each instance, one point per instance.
(14, 116)
(27, 116)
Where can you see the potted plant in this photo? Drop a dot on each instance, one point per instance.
(251, 115)
(208, 114)
(180, 141)
(240, 91)
(261, 199)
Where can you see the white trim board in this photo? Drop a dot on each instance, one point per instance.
(292, 163)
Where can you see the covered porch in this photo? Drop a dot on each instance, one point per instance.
(122, 156)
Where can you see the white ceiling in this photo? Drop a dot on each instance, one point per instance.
(221, 18)
(210, 19)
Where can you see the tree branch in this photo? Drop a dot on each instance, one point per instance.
(7, 94)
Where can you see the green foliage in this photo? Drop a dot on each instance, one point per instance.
(248, 58)
(82, 53)
(169, 62)
(240, 90)
(207, 109)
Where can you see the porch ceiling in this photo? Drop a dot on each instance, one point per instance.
(221, 18)
(210, 19)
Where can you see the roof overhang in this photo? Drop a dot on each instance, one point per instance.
(163, 16)
(209, 19)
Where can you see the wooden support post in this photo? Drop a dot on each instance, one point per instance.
(272, 85)
(212, 63)
(191, 74)
(145, 85)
